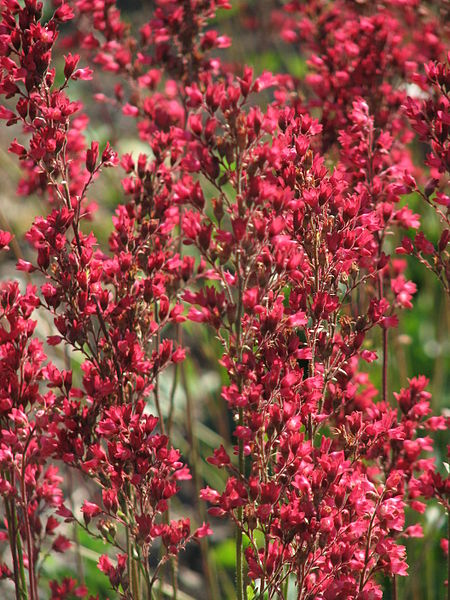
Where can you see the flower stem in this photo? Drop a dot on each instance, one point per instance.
(385, 339)
(239, 539)
(133, 574)
(448, 556)
(30, 549)
(16, 552)
(286, 587)
(212, 590)
(394, 588)
(24, 591)
(240, 584)
(385, 365)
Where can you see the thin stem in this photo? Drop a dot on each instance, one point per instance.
(286, 587)
(156, 387)
(21, 563)
(394, 588)
(385, 337)
(263, 576)
(385, 365)
(448, 557)
(17, 541)
(173, 565)
(173, 573)
(363, 581)
(76, 538)
(132, 565)
(172, 400)
(211, 583)
(240, 583)
(173, 560)
(30, 552)
(29, 538)
(136, 584)
(179, 337)
(12, 545)
(239, 537)
(158, 403)
(132, 571)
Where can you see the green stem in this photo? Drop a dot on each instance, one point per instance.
(172, 565)
(135, 586)
(385, 337)
(133, 573)
(362, 581)
(286, 588)
(240, 584)
(239, 561)
(76, 538)
(15, 545)
(29, 538)
(385, 365)
(12, 547)
(448, 557)
(24, 591)
(212, 590)
(394, 588)
(262, 584)
(173, 573)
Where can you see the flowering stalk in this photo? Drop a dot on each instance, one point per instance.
(116, 336)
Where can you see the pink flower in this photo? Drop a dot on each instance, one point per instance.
(5, 238)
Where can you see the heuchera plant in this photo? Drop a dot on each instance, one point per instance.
(262, 211)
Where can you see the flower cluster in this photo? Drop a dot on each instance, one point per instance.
(356, 52)
(300, 241)
(430, 119)
(30, 485)
(102, 306)
(234, 220)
